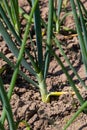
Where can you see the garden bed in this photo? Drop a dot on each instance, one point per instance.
(26, 100)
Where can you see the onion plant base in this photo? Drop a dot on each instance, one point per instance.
(43, 89)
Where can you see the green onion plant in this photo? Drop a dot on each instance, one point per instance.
(39, 62)
(81, 26)
(12, 9)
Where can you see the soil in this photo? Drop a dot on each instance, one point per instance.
(26, 100)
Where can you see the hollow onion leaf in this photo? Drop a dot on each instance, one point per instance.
(13, 47)
(49, 37)
(80, 30)
(37, 26)
(7, 106)
(20, 72)
(68, 76)
(76, 115)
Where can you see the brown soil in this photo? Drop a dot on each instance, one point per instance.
(26, 100)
